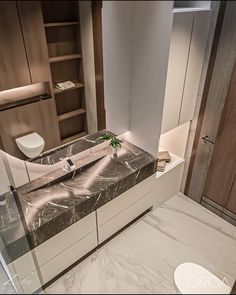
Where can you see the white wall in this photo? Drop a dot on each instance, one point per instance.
(116, 19)
(151, 32)
(136, 39)
(175, 140)
(15, 170)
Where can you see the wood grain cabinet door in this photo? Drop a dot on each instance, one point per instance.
(14, 71)
(32, 23)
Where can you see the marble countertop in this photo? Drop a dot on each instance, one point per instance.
(56, 155)
(50, 210)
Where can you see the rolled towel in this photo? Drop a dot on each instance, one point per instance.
(161, 166)
(164, 156)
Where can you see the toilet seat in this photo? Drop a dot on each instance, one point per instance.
(31, 145)
(191, 278)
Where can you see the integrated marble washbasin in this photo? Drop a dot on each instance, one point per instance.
(55, 201)
(68, 175)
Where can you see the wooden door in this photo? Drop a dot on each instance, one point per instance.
(14, 71)
(220, 181)
(216, 88)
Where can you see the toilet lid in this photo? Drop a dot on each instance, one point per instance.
(32, 140)
(191, 278)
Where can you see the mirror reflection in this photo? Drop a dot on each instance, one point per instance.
(48, 95)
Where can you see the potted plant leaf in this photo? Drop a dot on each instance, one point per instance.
(115, 142)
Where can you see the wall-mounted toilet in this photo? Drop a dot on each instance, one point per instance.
(31, 145)
(191, 278)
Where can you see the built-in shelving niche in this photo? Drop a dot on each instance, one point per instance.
(181, 6)
(62, 29)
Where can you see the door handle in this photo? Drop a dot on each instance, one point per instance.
(205, 139)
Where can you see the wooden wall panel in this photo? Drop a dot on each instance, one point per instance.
(35, 41)
(34, 117)
(14, 71)
(222, 169)
(98, 58)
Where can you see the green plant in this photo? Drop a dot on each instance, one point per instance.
(114, 141)
(105, 137)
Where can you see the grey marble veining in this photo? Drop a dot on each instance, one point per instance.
(142, 259)
(78, 146)
(13, 240)
(48, 208)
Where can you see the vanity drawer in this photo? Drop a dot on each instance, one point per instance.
(68, 257)
(119, 221)
(21, 262)
(65, 239)
(31, 283)
(168, 185)
(120, 203)
(24, 274)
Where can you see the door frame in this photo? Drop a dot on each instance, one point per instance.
(218, 76)
(98, 62)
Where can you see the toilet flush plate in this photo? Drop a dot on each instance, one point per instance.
(191, 278)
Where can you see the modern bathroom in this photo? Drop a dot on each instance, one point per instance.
(117, 147)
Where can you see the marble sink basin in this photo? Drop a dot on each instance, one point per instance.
(70, 175)
(55, 201)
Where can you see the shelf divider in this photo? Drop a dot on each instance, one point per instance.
(60, 24)
(77, 86)
(71, 114)
(64, 57)
(73, 137)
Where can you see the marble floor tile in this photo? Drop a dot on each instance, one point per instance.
(142, 259)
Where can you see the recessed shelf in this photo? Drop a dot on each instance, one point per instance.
(188, 6)
(77, 85)
(73, 137)
(71, 114)
(64, 57)
(189, 9)
(175, 161)
(61, 24)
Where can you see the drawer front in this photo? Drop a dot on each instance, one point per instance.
(21, 263)
(68, 257)
(31, 283)
(24, 274)
(168, 185)
(120, 203)
(65, 239)
(119, 221)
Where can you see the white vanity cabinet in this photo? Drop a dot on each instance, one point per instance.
(65, 248)
(123, 209)
(43, 263)
(151, 192)
(187, 49)
(52, 257)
